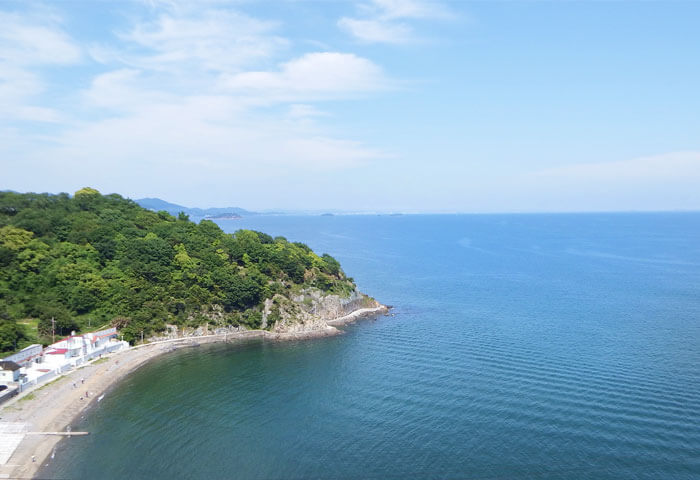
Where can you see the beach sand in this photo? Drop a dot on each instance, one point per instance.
(55, 405)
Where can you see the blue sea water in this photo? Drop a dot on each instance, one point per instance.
(521, 347)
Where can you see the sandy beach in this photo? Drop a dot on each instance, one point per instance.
(55, 405)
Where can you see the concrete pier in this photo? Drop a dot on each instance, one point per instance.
(66, 434)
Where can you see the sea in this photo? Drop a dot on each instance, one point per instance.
(519, 347)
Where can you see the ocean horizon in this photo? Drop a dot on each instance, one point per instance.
(520, 346)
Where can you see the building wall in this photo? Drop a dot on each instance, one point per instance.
(9, 376)
(27, 355)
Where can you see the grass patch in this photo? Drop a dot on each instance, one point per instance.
(100, 360)
(31, 323)
(27, 397)
(55, 380)
(31, 332)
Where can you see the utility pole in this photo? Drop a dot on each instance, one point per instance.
(53, 330)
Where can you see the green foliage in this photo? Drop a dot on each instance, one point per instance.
(103, 257)
(330, 265)
(87, 191)
(11, 335)
(54, 317)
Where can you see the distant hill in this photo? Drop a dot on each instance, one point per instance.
(156, 204)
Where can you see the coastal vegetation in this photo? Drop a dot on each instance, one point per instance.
(83, 261)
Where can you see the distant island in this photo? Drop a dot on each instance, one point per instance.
(156, 205)
(228, 213)
(223, 216)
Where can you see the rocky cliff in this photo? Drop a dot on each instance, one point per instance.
(311, 310)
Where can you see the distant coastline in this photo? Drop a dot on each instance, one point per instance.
(223, 216)
(56, 405)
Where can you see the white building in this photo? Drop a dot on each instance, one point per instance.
(9, 372)
(34, 365)
(27, 356)
(77, 349)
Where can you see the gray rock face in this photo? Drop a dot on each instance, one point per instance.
(311, 310)
(307, 312)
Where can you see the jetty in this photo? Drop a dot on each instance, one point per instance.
(12, 433)
(65, 434)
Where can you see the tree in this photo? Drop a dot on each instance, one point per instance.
(330, 265)
(63, 321)
(87, 191)
(11, 335)
(14, 239)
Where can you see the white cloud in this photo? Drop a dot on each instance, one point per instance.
(384, 21)
(392, 9)
(35, 42)
(124, 89)
(176, 95)
(659, 182)
(376, 31)
(198, 141)
(39, 114)
(214, 40)
(675, 166)
(17, 83)
(317, 76)
(27, 45)
(298, 111)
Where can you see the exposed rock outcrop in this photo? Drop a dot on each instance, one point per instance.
(308, 312)
(311, 310)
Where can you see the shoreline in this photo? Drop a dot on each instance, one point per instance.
(55, 405)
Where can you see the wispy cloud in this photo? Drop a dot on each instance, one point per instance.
(419, 9)
(302, 111)
(314, 76)
(377, 31)
(659, 182)
(674, 166)
(178, 89)
(35, 41)
(389, 21)
(214, 40)
(28, 44)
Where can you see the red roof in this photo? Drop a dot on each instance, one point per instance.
(56, 351)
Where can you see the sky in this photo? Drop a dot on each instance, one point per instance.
(365, 106)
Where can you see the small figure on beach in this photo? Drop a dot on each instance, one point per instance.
(81, 398)
(33, 458)
(82, 380)
(75, 385)
(87, 394)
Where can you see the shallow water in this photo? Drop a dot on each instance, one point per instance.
(522, 347)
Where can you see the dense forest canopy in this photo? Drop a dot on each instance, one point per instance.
(92, 259)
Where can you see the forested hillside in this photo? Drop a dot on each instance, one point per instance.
(92, 259)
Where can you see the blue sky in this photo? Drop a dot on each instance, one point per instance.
(368, 105)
